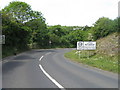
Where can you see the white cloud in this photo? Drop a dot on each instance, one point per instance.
(73, 12)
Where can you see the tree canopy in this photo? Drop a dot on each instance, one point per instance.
(25, 28)
(22, 11)
(103, 26)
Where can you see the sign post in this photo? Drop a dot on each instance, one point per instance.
(86, 45)
(80, 46)
(2, 39)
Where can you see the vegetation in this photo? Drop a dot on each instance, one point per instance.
(25, 29)
(22, 26)
(105, 57)
(103, 27)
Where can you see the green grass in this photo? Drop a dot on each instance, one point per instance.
(105, 62)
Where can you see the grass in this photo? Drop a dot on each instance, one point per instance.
(104, 57)
(104, 62)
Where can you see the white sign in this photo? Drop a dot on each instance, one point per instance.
(2, 39)
(86, 45)
(80, 45)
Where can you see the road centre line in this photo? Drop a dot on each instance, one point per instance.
(52, 79)
(41, 58)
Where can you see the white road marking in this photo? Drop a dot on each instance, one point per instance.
(41, 58)
(53, 80)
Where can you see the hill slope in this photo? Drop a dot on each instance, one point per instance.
(108, 45)
(104, 57)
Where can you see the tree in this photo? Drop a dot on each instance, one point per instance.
(15, 33)
(56, 33)
(102, 27)
(116, 24)
(85, 28)
(21, 11)
(39, 31)
(74, 36)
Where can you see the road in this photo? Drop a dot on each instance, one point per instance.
(50, 69)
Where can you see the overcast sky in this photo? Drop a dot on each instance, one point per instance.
(72, 12)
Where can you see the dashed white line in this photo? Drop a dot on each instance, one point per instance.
(52, 79)
(41, 58)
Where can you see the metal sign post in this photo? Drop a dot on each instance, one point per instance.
(79, 47)
(79, 54)
(88, 54)
(86, 45)
(2, 39)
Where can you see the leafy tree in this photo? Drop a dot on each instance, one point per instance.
(85, 28)
(57, 33)
(74, 36)
(102, 27)
(21, 11)
(57, 30)
(39, 31)
(15, 33)
(117, 24)
(23, 26)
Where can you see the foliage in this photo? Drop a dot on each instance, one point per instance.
(74, 36)
(25, 28)
(103, 27)
(21, 11)
(105, 55)
(19, 24)
(56, 33)
(15, 33)
(39, 31)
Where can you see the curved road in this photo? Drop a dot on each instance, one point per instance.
(50, 69)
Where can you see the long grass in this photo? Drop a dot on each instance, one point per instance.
(105, 62)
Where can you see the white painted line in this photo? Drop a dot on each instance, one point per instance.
(53, 80)
(41, 58)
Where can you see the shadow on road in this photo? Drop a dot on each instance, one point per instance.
(24, 57)
(10, 66)
(38, 51)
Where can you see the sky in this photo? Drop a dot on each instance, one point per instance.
(72, 12)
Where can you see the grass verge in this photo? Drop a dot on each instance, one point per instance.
(104, 62)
